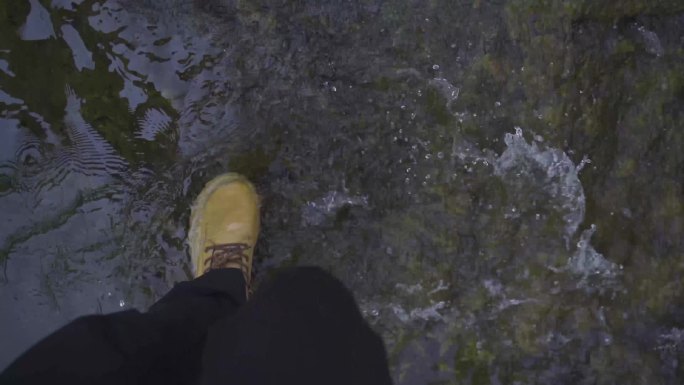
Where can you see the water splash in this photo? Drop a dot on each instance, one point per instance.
(446, 89)
(671, 342)
(544, 179)
(651, 41)
(316, 212)
(421, 305)
(526, 166)
(587, 262)
(426, 313)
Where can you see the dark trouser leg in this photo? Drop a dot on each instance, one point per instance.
(302, 327)
(162, 346)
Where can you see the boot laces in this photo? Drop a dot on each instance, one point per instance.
(224, 254)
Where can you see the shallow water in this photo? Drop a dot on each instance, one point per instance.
(500, 183)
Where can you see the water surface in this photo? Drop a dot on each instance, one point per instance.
(500, 183)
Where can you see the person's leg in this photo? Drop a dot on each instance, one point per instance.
(162, 346)
(302, 327)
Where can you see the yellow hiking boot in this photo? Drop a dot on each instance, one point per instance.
(224, 226)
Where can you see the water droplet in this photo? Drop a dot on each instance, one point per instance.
(428, 156)
(122, 303)
(435, 67)
(440, 155)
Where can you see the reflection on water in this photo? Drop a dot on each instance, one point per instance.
(385, 139)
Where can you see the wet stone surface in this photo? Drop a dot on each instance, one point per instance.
(499, 183)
